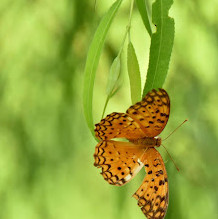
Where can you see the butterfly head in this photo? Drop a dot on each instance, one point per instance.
(158, 141)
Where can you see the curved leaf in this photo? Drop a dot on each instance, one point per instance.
(113, 77)
(113, 83)
(93, 60)
(144, 15)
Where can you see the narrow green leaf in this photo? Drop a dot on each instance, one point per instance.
(118, 84)
(113, 76)
(93, 60)
(161, 45)
(144, 15)
(134, 74)
(113, 83)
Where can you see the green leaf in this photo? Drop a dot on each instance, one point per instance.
(161, 45)
(114, 75)
(134, 74)
(113, 83)
(144, 15)
(93, 60)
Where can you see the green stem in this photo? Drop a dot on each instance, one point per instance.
(127, 28)
(105, 106)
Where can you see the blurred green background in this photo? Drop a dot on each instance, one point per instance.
(46, 149)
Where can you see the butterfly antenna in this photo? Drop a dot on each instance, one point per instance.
(171, 158)
(175, 130)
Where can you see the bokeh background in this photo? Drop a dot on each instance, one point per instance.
(46, 149)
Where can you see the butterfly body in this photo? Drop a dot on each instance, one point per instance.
(147, 142)
(120, 161)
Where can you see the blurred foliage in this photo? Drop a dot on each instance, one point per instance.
(46, 150)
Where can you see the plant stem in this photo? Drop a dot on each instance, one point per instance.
(127, 28)
(105, 105)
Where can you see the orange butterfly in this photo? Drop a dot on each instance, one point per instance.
(121, 161)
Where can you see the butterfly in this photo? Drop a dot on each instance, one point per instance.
(120, 161)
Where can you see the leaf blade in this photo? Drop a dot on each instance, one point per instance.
(134, 74)
(114, 75)
(92, 61)
(161, 45)
(113, 83)
(144, 15)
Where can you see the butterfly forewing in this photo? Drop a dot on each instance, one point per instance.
(152, 195)
(152, 112)
(146, 118)
(120, 161)
(118, 125)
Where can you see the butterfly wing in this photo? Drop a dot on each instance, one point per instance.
(152, 112)
(146, 118)
(120, 161)
(152, 195)
(118, 125)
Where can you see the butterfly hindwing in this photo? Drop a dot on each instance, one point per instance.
(152, 112)
(152, 195)
(120, 161)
